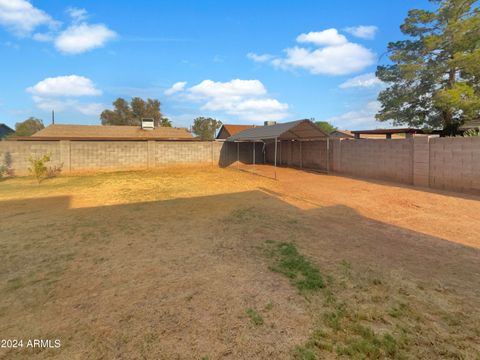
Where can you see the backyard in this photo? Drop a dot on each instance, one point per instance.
(209, 263)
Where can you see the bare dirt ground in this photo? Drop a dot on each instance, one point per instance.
(176, 264)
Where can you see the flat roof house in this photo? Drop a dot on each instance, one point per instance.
(109, 132)
(5, 131)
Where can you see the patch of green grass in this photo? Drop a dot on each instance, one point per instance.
(304, 353)
(254, 316)
(398, 311)
(269, 306)
(346, 268)
(368, 345)
(301, 272)
(14, 284)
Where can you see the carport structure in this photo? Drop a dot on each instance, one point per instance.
(295, 132)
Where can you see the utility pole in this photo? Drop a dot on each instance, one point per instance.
(53, 117)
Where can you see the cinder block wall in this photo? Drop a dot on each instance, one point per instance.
(454, 164)
(441, 163)
(104, 155)
(390, 159)
(15, 154)
(88, 155)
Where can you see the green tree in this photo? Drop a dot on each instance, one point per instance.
(165, 122)
(325, 126)
(28, 127)
(434, 80)
(205, 128)
(132, 114)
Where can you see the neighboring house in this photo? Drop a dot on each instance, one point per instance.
(391, 133)
(341, 134)
(473, 124)
(5, 131)
(347, 134)
(109, 132)
(228, 130)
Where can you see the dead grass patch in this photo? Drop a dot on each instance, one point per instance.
(173, 264)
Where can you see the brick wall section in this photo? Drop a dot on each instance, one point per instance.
(455, 164)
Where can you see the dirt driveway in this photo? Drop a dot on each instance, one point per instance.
(175, 264)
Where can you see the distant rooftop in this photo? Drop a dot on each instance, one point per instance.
(109, 132)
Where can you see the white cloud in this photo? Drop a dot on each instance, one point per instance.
(245, 99)
(178, 86)
(363, 31)
(21, 17)
(259, 58)
(362, 81)
(333, 55)
(227, 90)
(359, 119)
(331, 60)
(61, 93)
(77, 14)
(43, 37)
(71, 85)
(329, 37)
(79, 38)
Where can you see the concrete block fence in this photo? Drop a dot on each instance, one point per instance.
(440, 163)
(105, 155)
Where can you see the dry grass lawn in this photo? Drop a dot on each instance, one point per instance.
(207, 263)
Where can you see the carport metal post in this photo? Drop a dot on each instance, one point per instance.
(253, 156)
(275, 161)
(301, 155)
(328, 155)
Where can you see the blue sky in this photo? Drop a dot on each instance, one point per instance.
(241, 62)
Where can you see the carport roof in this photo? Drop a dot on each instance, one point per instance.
(294, 130)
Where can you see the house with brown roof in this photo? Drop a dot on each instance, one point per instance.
(109, 132)
(228, 130)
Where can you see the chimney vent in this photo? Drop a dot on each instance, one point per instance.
(148, 124)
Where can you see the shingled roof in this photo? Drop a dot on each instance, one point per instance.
(228, 130)
(294, 130)
(110, 132)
